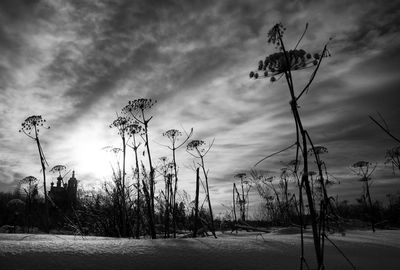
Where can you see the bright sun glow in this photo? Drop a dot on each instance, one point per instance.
(89, 158)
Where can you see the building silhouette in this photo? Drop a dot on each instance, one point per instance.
(63, 195)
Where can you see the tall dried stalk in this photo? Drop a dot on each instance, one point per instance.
(122, 124)
(281, 64)
(197, 150)
(196, 205)
(173, 135)
(365, 169)
(243, 197)
(136, 109)
(133, 130)
(29, 126)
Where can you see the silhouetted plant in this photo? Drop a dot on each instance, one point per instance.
(135, 130)
(197, 149)
(166, 197)
(393, 157)
(173, 135)
(31, 128)
(58, 168)
(118, 198)
(286, 176)
(137, 109)
(285, 201)
(385, 128)
(196, 204)
(268, 191)
(365, 170)
(283, 63)
(122, 124)
(322, 179)
(313, 183)
(29, 185)
(243, 198)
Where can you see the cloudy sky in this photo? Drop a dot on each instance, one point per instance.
(77, 63)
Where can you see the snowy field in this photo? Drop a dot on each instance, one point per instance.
(230, 251)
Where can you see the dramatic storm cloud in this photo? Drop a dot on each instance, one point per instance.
(77, 63)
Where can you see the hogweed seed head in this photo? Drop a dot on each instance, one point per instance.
(281, 62)
(29, 179)
(393, 153)
(134, 128)
(172, 133)
(277, 63)
(33, 122)
(122, 124)
(240, 175)
(58, 168)
(361, 164)
(196, 144)
(138, 105)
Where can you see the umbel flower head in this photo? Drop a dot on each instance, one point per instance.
(172, 133)
(58, 168)
(29, 179)
(240, 175)
(281, 62)
(115, 150)
(361, 164)
(112, 149)
(196, 145)
(393, 154)
(133, 129)
(362, 167)
(140, 104)
(30, 185)
(33, 122)
(122, 124)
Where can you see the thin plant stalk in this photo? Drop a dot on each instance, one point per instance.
(173, 135)
(194, 145)
(33, 123)
(196, 207)
(135, 149)
(42, 163)
(139, 106)
(234, 202)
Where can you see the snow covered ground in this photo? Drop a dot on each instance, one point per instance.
(230, 251)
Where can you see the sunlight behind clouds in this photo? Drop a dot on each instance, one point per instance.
(77, 63)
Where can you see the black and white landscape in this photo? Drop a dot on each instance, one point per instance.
(253, 133)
